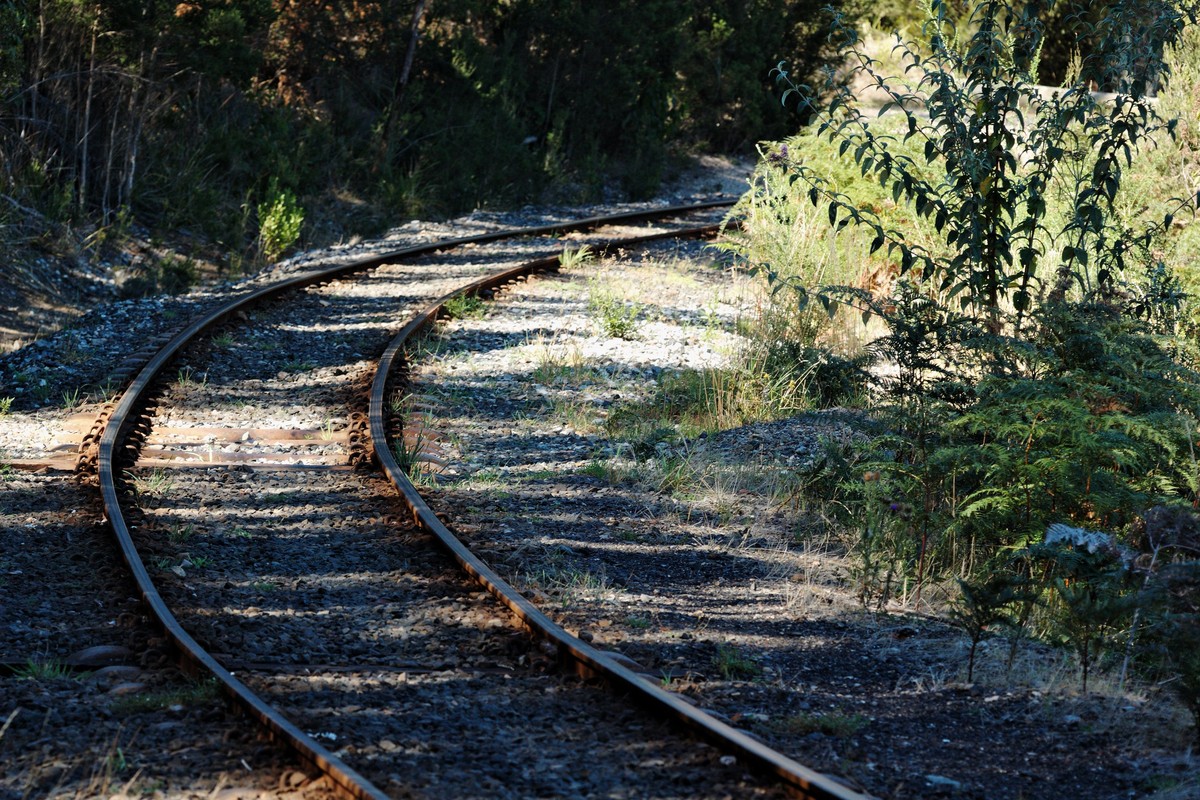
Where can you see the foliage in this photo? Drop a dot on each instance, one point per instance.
(984, 605)
(466, 306)
(1030, 326)
(733, 664)
(614, 316)
(35, 670)
(1086, 591)
(279, 221)
(184, 112)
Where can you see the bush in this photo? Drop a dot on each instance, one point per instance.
(1039, 377)
(279, 221)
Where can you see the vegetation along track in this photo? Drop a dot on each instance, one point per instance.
(345, 619)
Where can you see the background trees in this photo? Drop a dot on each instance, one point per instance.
(183, 113)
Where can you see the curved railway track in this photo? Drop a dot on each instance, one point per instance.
(125, 429)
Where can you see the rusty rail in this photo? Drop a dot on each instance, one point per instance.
(801, 779)
(194, 657)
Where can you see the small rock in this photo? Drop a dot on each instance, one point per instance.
(100, 656)
(127, 687)
(938, 780)
(292, 779)
(115, 673)
(236, 793)
(1072, 720)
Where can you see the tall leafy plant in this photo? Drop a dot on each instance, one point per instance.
(997, 152)
(1033, 386)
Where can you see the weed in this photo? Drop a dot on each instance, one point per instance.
(983, 606)
(106, 391)
(35, 670)
(5, 405)
(158, 484)
(733, 664)
(199, 693)
(179, 534)
(280, 498)
(70, 399)
(297, 365)
(200, 562)
(560, 363)
(240, 533)
(327, 430)
(570, 259)
(410, 452)
(264, 586)
(832, 723)
(638, 623)
(280, 219)
(223, 340)
(570, 584)
(116, 762)
(187, 378)
(465, 306)
(177, 275)
(614, 316)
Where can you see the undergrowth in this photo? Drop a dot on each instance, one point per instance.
(993, 277)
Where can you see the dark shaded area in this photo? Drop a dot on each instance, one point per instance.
(195, 114)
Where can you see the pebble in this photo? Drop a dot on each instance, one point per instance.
(99, 656)
(236, 793)
(127, 687)
(114, 674)
(939, 780)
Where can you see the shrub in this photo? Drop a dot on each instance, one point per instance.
(279, 221)
(1033, 327)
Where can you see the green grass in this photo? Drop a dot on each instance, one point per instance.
(831, 724)
(178, 534)
(70, 398)
(569, 584)
(35, 670)
(156, 485)
(613, 316)
(466, 307)
(733, 664)
(188, 378)
(570, 259)
(199, 693)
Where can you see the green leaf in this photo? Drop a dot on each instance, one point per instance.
(876, 243)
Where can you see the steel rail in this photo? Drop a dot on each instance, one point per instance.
(801, 779)
(194, 656)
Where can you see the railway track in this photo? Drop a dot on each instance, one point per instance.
(344, 615)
